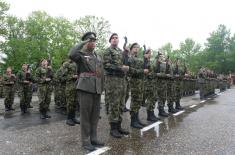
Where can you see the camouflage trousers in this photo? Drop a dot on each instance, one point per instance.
(137, 93)
(44, 96)
(177, 90)
(1, 91)
(25, 96)
(71, 97)
(161, 92)
(170, 92)
(59, 95)
(150, 94)
(9, 94)
(30, 94)
(115, 97)
(127, 91)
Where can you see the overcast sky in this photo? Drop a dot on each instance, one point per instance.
(153, 22)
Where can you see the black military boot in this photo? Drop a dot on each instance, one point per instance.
(114, 131)
(134, 121)
(29, 106)
(107, 109)
(162, 112)
(97, 143)
(43, 114)
(121, 130)
(74, 119)
(69, 121)
(125, 109)
(47, 116)
(10, 108)
(178, 106)
(89, 147)
(171, 109)
(151, 117)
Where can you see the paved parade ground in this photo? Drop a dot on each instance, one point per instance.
(205, 128)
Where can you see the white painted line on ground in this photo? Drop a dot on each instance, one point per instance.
(149, 127)
(192, 106)
(203, 101)
(99, 151)
(178, 113)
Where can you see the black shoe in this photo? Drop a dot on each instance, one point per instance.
(114, 131)
(11, 109)
(7, 109)
(125, 109)
(178, 106)
(89, 147)
(42, 116)
(97, 143)
(151, 117)
(47, 116)
(121, 130)
(70, 122)
(162, 112)
(134, 121)
(172, 110)
(76, 121)
(29, 106)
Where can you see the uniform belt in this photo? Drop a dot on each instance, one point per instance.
(85, 74)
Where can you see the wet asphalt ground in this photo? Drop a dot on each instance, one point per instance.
(204, 128)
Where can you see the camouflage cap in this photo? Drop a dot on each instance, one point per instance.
(89, 35)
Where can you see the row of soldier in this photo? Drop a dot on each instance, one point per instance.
(83, 77)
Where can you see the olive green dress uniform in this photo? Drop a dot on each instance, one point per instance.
(90, 87)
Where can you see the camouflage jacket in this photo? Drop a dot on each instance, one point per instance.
(43, 73)
(9, 79)
(136, 66)
(113, 61)
(69, 70)
(23, 76)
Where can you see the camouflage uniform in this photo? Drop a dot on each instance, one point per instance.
(137, 88)
(170, 88)
(59, 89)
(115, 85)
(161, 84)
(44, 89)
(9, 90)
(178, 74)
(1, 87)
(69, 71)
(24, 89)
(202, 83)
(150, 93)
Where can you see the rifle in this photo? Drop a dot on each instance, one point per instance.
(146, 60)
(125, 53)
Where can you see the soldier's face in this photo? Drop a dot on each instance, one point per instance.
(9, 70)
(91, 44)
(44, 62)
(135, 49)
(24, 67)
(114, 40)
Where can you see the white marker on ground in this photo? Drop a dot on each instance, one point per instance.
(202, 101)
(178, 113)
(192, 106)
(149, 127)
(99, 151)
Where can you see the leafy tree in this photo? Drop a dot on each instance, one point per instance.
(95, 24)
